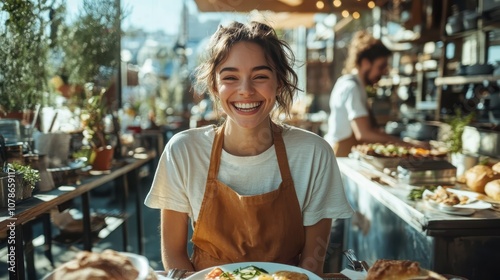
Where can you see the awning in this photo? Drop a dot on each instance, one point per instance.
(294, 6)
(285, 20)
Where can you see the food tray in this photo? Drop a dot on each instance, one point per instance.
(381, 162)
(425, 172)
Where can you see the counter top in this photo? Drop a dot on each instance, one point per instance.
(418, 214)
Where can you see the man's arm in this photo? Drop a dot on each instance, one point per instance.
(365, 133)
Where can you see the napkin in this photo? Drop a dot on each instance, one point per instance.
(354, 275)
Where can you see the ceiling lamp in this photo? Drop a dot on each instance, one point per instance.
(356, 15)
(371, 4)
(345, 13)
(320, 5)
(337, 3)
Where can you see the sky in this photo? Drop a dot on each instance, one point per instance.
(150, 15)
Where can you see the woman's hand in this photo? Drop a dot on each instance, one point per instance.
(174, 237)
(314, 251)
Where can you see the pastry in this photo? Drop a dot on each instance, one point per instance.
(400, 270)
(108, 265)
(477, 177)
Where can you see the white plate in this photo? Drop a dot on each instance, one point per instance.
(472, 196)
(269, 267)
(140, 262)
(450, 209)
(475, 203)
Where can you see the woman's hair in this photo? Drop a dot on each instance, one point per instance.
(364, 46)
(278, 54)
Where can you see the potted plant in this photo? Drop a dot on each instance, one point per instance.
(453, 140)
(94, 112)
(28, 179)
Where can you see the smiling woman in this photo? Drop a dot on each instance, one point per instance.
(234, 181)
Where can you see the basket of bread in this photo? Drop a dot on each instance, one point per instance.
(483, 179)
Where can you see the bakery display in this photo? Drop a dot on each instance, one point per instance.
(477, 176)
(109, 265)
(399, 270)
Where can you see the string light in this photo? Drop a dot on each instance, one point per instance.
(355, 15)
(371, 4)
(337, 3)
(345, 13)
(320, 5)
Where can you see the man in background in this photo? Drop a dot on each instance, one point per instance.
(351, 121)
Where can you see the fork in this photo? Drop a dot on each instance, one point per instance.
(355, 264)
(176, 273)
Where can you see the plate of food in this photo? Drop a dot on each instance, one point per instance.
(254, 271)
(454, 201)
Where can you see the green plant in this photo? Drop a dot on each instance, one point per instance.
(93, 113)
(91, 44)
(457, 124)
(30, 176)
(24, 49)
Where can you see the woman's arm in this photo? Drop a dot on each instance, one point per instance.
(174, 237)
(314, 251)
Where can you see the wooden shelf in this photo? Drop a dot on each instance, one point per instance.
(459, 35)
(396, 81)
(461, 80)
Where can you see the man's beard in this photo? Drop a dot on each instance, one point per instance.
(367, 81)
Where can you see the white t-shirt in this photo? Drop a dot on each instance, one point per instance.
(180, 179)
(348, 101)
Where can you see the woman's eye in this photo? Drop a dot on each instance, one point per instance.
(229, 78)
(261, 77)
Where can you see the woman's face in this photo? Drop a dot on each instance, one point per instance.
(247, 86)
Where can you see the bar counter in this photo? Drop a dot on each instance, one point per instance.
(387, 225)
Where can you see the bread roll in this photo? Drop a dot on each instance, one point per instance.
(393, 270)
(492, 189)
(400, 270)
(477, 177)
(496, 167)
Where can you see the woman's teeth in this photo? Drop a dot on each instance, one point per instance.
(247, 107)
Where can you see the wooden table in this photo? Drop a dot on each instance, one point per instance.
(12, 220)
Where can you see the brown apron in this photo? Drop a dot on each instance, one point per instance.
(233, 228)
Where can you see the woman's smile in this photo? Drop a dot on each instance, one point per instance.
(247, 107)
